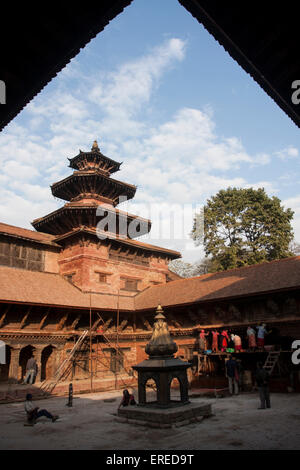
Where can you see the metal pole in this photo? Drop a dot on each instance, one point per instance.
(91, 364)
(117, 351)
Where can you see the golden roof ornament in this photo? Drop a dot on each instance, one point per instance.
(161, 343)
(95, 147)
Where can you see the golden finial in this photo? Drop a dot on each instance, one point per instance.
(95, 147)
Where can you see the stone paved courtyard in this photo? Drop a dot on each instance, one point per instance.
(90, 424)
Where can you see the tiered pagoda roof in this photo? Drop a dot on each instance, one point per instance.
(89, 187)
(91, 179)
(94, 160)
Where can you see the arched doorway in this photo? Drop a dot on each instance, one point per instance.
(4, 368)
(175, 390)
(150, 391)
(25, 354)
(47, 363)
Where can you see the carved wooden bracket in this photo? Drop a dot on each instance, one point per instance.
(62, 322)
(3, 316)
(44, 318)
(75, 322)
(23, 322)
(146, 323)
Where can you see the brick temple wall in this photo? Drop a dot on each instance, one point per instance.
(90, 267)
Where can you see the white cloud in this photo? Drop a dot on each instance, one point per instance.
(294, 204)
(126, 89)
(288, 152)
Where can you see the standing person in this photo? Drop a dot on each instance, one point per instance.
(225, 340)
(237, 343)
(202, 345)
(251, 338)
(262, 378)
(32, 411)
(261, 335)
(232, 375)
(31, 370)
(230, 345)
(215, 335)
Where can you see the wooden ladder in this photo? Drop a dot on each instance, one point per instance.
(271, 361)
(48, 386)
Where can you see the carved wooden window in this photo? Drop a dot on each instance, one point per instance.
(102, 277)
(21, 255)
(117, 359)
(131, 285)
(142, 260)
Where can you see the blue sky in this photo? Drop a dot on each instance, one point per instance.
(160, 94)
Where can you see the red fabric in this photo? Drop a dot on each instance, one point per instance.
(260, 342)
(252, 341)
(225, 339)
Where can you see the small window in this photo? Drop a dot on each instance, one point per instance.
(102, 277)
(131, 285)
(69, 277)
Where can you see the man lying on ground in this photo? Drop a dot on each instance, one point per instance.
(33, 412)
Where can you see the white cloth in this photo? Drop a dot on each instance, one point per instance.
(261, 332)
(29, 406)
(250, 331)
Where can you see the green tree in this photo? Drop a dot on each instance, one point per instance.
(244, 227)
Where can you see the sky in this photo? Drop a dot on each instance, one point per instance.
(159, 94)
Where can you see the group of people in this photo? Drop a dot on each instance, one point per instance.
(226, 341)
(262, 377)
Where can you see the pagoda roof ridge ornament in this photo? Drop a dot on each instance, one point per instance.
(95, 147)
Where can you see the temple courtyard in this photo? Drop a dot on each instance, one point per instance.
(91, 424)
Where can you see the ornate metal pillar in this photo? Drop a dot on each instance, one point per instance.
(162, 366)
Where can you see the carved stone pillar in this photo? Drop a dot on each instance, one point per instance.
(58, 351)
(38, 357)
(14, 367)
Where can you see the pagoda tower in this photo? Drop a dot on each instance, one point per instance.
(98, 251)
(88, 187)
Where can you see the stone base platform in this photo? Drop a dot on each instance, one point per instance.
(164, 417)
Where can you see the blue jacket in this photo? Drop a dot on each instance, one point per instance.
(231, 365)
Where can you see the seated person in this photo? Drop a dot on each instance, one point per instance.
(32, 411)
(127, 399)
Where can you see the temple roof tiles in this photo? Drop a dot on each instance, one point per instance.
(258, 279)
(32, 287)
(26, 234)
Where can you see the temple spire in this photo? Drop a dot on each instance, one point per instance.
(161, 343)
